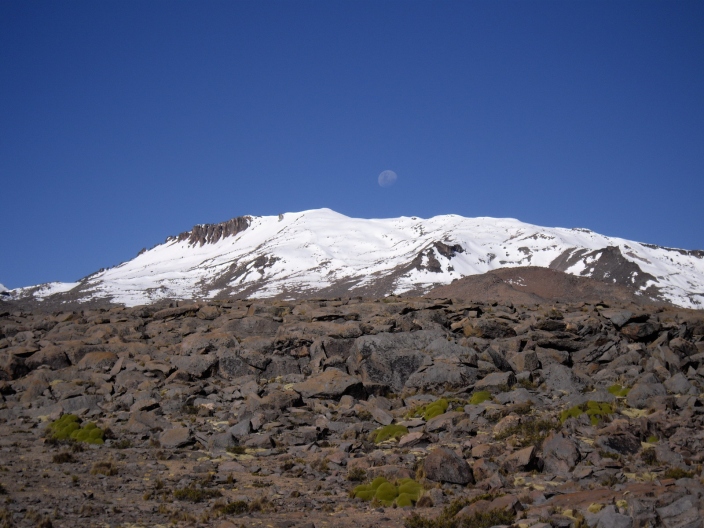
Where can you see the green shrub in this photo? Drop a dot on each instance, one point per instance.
(389, 432)
(595, 410)
(405, 492)
(68, 428)
(430, 410)
(435, 408)
(479, 397)
(619, 391)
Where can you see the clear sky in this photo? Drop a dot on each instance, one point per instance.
(124, 122)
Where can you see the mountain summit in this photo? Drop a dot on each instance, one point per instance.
(323, 253)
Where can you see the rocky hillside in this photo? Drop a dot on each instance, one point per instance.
(321, 253)
(398, 412)
(532, 285)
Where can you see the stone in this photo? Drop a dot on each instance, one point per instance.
(52, 356)
(496, 380)
(199, 366)
(520, 460)
(641, 331)
(444, 465)
(525, 361)
(175, 437)
(610, 518)
(623, 444)
(678, 384)
(683, 513)
(560, 454)
(561, 378)
(240, 429)
(488, 329)
(643, 392)
(331, 384)
(442, 374)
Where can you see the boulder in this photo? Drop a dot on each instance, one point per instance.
(331, 384)
(176, 437)
(683, 513)
(496, 380)
(560, 454)
(444, 465)
(442, 374)
(520, 460)
(199, 366)
(642, 393)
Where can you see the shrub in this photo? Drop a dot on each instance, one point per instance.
(389, 432)
(405, 492)
(479, 397)
(677, 473)
(68, 428)
(619, 391)
(595, 410)
(430, 410)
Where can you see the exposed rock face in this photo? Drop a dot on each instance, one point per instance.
(211, 233)
(275, 405)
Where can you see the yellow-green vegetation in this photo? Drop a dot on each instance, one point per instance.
(448, 518)
(479, 397)
(405, 492)
(677, 473)
(652, 439)
(430, 410)
(619, 391)
(388, 432)
(595, 410)
(68, 427)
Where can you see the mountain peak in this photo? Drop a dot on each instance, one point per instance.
(320, 252)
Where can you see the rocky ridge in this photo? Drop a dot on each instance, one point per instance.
(251, 413)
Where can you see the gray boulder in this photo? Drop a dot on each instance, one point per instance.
(444, 465)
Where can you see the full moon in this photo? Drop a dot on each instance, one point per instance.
(387, 178)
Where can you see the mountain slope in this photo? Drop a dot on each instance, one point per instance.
(323, 253)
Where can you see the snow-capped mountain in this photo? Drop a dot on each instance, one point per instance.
(323, 253)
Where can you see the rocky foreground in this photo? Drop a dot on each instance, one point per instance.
(283, 414)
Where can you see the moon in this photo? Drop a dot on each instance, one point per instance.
(387, 178)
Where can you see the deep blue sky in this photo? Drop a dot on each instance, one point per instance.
(124, 122)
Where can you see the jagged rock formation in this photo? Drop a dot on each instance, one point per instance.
(271, 412)
(212, 233)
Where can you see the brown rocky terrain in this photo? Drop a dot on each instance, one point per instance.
(535, 285)
(270, 413)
